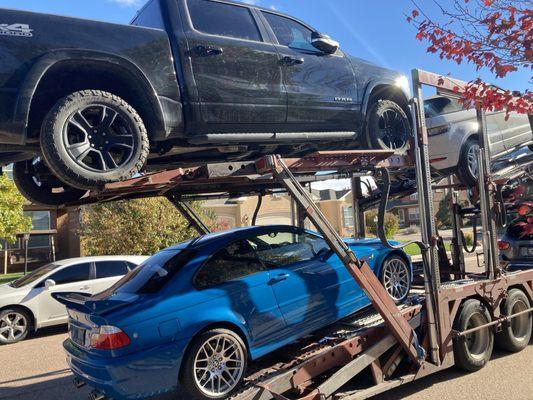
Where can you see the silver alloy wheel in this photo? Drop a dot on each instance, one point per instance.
(13, 326)
(396, 278)
(472, 160)
(98, 139)
(219, 366)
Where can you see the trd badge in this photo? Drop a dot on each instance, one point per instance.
(16, 30)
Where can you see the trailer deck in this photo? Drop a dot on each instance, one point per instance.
(397, 344)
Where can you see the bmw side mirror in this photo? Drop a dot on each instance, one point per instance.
(49, 283)
(324, 43)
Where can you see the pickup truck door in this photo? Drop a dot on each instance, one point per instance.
(235, 75)
(321, 88)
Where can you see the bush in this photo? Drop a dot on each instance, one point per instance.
(392, 223)
(469, 239)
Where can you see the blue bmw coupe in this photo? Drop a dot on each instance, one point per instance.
(193, 315)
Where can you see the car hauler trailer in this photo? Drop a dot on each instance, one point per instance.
(452, 322)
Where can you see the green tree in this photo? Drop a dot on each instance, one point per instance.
(136, 227)
(12, 219)
(444, 213)
(392, 223)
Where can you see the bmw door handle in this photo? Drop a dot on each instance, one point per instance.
(290, 61)
(279, 278)
(206, 51)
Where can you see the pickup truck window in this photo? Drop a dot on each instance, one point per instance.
(223, 19)
(290, 33)
(150, 16)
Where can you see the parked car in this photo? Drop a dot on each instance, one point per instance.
(198, 312)
(85, 103)
(516, 246)
(454, 131)
(26, 304)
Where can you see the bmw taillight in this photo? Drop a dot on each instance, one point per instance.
(502, 245)
(109, 338)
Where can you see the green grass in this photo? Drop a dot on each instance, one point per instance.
(414, 250)
(8, 278)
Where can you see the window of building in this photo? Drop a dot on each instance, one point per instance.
(401, 215)
(233, 262)
(290, 33)
(414, 214)
(278, 249)
(41, 221)
(109, 269)
(223, 19)
(72, 274)
(8, 170)
(347, 216)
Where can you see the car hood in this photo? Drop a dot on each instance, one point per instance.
(5, 290)
(374, 242)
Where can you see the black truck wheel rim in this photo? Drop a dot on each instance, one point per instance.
(99, 138)
(393, 129)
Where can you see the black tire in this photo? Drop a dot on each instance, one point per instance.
(36, 183)
(530, 147)
(16, 316)
(516, 333)
(403, 281)
(473, 352)
(464, 169)
(91, 138)
(387, 127)
(187, 376)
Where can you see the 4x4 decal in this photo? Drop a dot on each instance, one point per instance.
(16, 30)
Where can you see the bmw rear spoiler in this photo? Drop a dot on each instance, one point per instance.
(83, 302)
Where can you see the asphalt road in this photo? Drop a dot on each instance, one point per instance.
(36, 370)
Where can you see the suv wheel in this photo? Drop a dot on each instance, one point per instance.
(37, 184)
(387, 127)
(91, 138)
(467, 169)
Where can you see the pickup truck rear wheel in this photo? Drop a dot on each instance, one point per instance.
(387, 126)
(39, 185)
(91, 138)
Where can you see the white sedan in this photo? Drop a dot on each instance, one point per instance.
(27, 303)
(453, 136)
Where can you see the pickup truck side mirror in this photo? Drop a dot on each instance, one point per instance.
(49, 283)
(324, 43)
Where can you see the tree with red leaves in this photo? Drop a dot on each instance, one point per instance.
(492, 34)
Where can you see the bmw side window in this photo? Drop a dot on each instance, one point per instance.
(72, 274)
(110, 269)
(223, 19)
(278, 249)
(235, 261)
(290, 33)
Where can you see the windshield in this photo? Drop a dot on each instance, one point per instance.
(34, 276)
(152, 275)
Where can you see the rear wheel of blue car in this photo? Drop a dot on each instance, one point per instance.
(214, 365)
(396, 278)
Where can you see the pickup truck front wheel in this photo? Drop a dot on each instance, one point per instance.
(387, 126)
(91, 138)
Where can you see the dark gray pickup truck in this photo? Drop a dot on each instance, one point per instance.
(84, 103)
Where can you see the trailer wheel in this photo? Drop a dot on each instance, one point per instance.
(214, 365)
(516, 333)
(91, 138)
(474, 350)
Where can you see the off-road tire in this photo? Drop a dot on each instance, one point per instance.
(59, 161)
(372, 126)
(188, 366)
(474, 356)
(516, 333)
(39, 195)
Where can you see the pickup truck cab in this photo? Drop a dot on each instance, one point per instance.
(84, 103)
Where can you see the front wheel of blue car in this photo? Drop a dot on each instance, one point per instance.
(396, 278)
(214, 365)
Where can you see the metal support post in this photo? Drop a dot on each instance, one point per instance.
(361, 272)
(488, 216)
(458, 256)
(188, 213)
(358, 213)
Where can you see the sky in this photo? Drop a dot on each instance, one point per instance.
(375, 30)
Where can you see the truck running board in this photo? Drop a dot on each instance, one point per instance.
(272, 137)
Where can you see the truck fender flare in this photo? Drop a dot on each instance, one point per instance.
(372, 85)
(48, 60)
